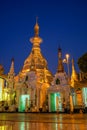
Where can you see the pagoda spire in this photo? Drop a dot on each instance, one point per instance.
(60, 63)
(74, 75)
(36, 40)
(36, 28)
(11, 71)
(36, 61)
(11, 75)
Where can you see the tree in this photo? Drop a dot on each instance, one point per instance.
(82, 63)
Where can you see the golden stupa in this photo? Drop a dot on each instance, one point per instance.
(36, 61)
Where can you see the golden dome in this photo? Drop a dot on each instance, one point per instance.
(35, 60)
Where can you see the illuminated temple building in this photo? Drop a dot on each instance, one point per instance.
(35, 89)
(59, 90)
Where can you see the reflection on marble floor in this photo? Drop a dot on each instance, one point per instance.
(7, 125)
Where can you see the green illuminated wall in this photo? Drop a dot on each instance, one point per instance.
(84, 92)
(55, 102)
(22, 102)
(52, 102)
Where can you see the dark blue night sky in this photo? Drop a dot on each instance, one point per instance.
(61, 23)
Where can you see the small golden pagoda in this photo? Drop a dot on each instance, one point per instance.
(59, 91)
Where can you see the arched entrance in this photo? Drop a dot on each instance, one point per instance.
(23, 102)
(56, 101)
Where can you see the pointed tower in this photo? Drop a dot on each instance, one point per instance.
(36, 60)
(60, 62)
(11, 74)
(11, 71)
(60, 88)
(74, 76)
(60, 77)
(35, 65)
(36, 40)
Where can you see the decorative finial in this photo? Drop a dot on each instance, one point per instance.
(59, 48)
(36, 28)
(59, 52)
(37, 20)
(12, 60)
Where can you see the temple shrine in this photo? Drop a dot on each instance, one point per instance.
(36, 89)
